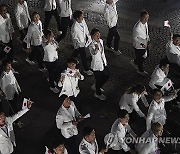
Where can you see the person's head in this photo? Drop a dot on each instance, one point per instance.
(144, 16)
(138, 89)
(95, 34)
(35, 17)
(78, 16)
(49, 35)
(72, 62)
(123, 116)
(2, 119)
(109, 1)
(157, 95)
(58, 146)
(164, 65)
(176, 39)
(66, 101)
(3, 10)
(157, 129)
(7, 65)
(21, 1)
(89, 134)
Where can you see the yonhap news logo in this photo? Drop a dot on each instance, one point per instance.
(163, 140)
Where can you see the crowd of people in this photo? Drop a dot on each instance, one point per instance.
(41, 45)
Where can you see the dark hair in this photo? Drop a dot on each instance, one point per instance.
(57, 142)
(163, 62)
(87, 131)
(156, 91)
(94, 30)
(156, 127)
(63, 97)
(138, 88)
(175, 36)
(143, 13)
(72, 60)
(122, 113)
(33, 14)
(6, 62)
(47, 32)
(77, 14)
(2, 6)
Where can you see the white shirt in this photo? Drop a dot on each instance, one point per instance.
(50, 5)
(129, 103)
(22, 15)
(34, 34)
(50, 52)
(65, 6)
(157, 112)
(140, 35)
(110, 14)
(173, 53)
(6, 29)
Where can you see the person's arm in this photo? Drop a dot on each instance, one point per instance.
(75, 37)
(17, 15)
(169, 98)
(123, 143)
(106, 15)
(131, 132)
(29, 36)
(87, 34)
(144, 100)
(61, 81)
(60, 122)
(149, 118)
(27, 10)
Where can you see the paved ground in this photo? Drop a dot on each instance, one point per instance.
(39, 121)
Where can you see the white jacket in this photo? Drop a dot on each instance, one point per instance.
(121, 133)
(98, 56)
(8, 140)
(140, 35)
(9, 85)
(157, 112)
(50, 5)
(65, 6)
(22, 15)
(6, 29)
(70, 83)
(150, 146)
(64, 120)
(173, 53)
(79, 33)
(34, 34)
(110, 14)
(129, 103)
(158, 77)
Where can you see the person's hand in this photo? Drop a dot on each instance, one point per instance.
(80, 118)
(132, 151)
(74, 122)
(96, 47)
(77, 74)
(143, 45)
(62, 79)
(29, 104)
(103, 150)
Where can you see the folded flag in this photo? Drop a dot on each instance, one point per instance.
(47, 150)
(166, 24)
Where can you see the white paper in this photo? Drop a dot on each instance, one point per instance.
(7, 49)
(166, 24)
(87, 116)
(25, 104)
(145, 55)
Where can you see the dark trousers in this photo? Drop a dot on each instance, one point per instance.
(9, 55)
(139, 58)
(70, 145)
(82, 53)
(51, 67)
(38, 52)
(13, 108)
(48, 16)
(23, 33)
(65, 23)
(113, 33)
(101, 78)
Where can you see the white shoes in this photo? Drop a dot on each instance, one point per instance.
(144, 73)
(43, 70)
(101, 97)
(93, 87)
(55, 90)
(89, 72)
(117, 52)
(133, 64)
(30, 62)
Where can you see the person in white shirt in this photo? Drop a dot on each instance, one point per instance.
(98, 63)
(50, 8)
(173, 49)
(89, 144)
(111, 16)
(130, 98)
(159, 77)
(121, 127)
(34, 42)
(66, 18)
(157, 112)
(6, 31)
(80, 33)
(7, 137)
(23, 19)
(10, 86)
(150, 139)
(141, 42)
(50, 58)
(69, 79)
